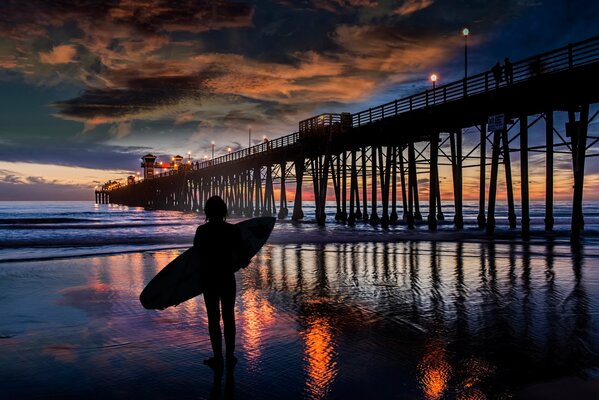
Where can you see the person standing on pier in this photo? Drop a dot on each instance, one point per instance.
(496, 70)
(219, 245)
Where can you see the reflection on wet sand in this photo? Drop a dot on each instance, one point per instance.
(480, 306)
(415, 320)
(319, 358)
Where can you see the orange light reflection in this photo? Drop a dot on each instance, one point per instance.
(434, 371)
(320, 357)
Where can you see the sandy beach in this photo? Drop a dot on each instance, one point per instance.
(399, 320)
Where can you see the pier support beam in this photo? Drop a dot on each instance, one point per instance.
(402, 178)
(579, 144)
(482, 176)
(393, 218)
(353, 191)
(433, 182)
(508, 180)
(320, 177)
(298, 213)
(336, 176)
(456, 156)
(374, 218)
(385, 177)
(268, 208)
(344, 186)
(258, 187)
(524, 174)
(364, 186)
(493, 181)
(549, 220)
(283, 211)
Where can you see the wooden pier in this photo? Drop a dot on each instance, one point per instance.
(372, 160)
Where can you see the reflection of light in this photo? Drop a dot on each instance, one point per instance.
(434, 371)
(321, 366)
(257, 316)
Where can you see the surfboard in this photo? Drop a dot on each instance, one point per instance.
(179, 281)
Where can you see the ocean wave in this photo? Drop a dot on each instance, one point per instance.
(93, 225)
(35, 221)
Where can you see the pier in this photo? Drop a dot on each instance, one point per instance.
(372, 160)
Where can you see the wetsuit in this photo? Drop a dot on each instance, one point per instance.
(218, 247)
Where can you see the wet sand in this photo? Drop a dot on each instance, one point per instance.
(353, 320)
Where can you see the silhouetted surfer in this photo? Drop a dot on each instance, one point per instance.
(218, 245)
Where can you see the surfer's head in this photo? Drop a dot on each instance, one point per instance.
(215, 209)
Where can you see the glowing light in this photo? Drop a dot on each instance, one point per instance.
(466, 32)
(319, 356)
(434, 78)
(434, 371)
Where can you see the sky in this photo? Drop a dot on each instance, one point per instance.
(87, 87)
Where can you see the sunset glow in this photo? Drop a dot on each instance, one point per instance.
(95, 87)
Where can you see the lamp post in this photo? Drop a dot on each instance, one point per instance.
(189, 156)
(465, 32)
(229, 149)
(213, 149)
(250, 137)
(434, 81)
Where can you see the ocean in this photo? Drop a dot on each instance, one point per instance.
(328, 312)
(40, 230)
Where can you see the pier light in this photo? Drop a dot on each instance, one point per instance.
(434, 78)
(465, 33)
(229, 149)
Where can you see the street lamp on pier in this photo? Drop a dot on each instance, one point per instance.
(434, 81)
(465, 32)
(434, 78)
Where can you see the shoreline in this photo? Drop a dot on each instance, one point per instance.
(323, 236)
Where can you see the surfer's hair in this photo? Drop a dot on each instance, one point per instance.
(215, 208)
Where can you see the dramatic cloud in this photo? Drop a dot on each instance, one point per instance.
(130, 76)
(411, 6)
(59, 55)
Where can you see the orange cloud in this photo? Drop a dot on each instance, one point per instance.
(61, 54)
(411, 6)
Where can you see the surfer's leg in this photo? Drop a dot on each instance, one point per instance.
(228, 310)
(212, 309)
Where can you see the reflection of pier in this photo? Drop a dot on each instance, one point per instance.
(374, 157)
(469, 309)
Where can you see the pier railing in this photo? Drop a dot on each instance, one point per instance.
(567, 57)
(564, 58)
(243, 154)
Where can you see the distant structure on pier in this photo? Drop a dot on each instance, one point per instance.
(373, 159)
(148, 165)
